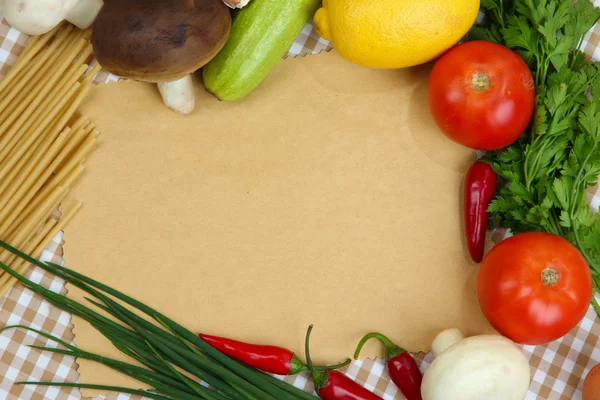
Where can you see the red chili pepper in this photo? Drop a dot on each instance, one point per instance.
(480, 187)
(340, 387)
(334, 385)
(271, 359)
(402, 368)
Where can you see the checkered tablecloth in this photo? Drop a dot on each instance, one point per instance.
(557, 369)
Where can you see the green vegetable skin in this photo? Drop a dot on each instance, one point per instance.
(261, 34)
(558, 157)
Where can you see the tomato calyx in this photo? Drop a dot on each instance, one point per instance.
(550, 276)
(481, 82)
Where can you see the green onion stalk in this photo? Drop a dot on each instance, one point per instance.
(173, 361)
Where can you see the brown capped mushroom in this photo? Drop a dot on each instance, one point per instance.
(162, 42)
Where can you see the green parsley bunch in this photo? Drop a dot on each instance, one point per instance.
(549, 170)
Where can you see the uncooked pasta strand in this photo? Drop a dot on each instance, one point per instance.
(18, 237)
(48, 117)
(24, 233)
(35, 76)
(22, 91)
(19, 205)
(28, 164)
(68, 182)
(74, 141)
(71, 109)
(89, 130)
(77, 157)
(23, 62)
(6, 281)
(42, 146)
(38, 97)
(18, 201)
(91, 74)
(51, 117)
(41, 235)
(16, 175)
(36, 226)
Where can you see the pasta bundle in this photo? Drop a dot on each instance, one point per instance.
(43, 143)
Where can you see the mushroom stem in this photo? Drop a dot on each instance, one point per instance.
(179, 95)
(84, 13)
(445, 339)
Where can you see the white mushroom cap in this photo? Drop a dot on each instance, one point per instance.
(36, 17)
(84, 13)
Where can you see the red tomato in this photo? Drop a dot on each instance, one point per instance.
(534, 287)
(482, 95)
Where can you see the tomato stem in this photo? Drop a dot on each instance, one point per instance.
(481, 82)
(550, 276)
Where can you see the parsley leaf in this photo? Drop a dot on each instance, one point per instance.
(549, 170)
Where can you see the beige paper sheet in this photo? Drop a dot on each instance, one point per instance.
(328, 197)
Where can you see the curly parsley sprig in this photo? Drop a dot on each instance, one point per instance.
(549, 170)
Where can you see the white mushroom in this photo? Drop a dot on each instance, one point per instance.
(36, 17)
(486, 367)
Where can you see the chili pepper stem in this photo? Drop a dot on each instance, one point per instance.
(391, 350)
(331, 367)
(297, 366)
(319, 378)
(402, 368)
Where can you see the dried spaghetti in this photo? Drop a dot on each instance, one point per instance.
(43, 143)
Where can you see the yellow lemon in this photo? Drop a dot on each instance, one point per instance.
(394, 33)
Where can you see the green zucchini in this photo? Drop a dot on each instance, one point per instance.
(261, 34)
